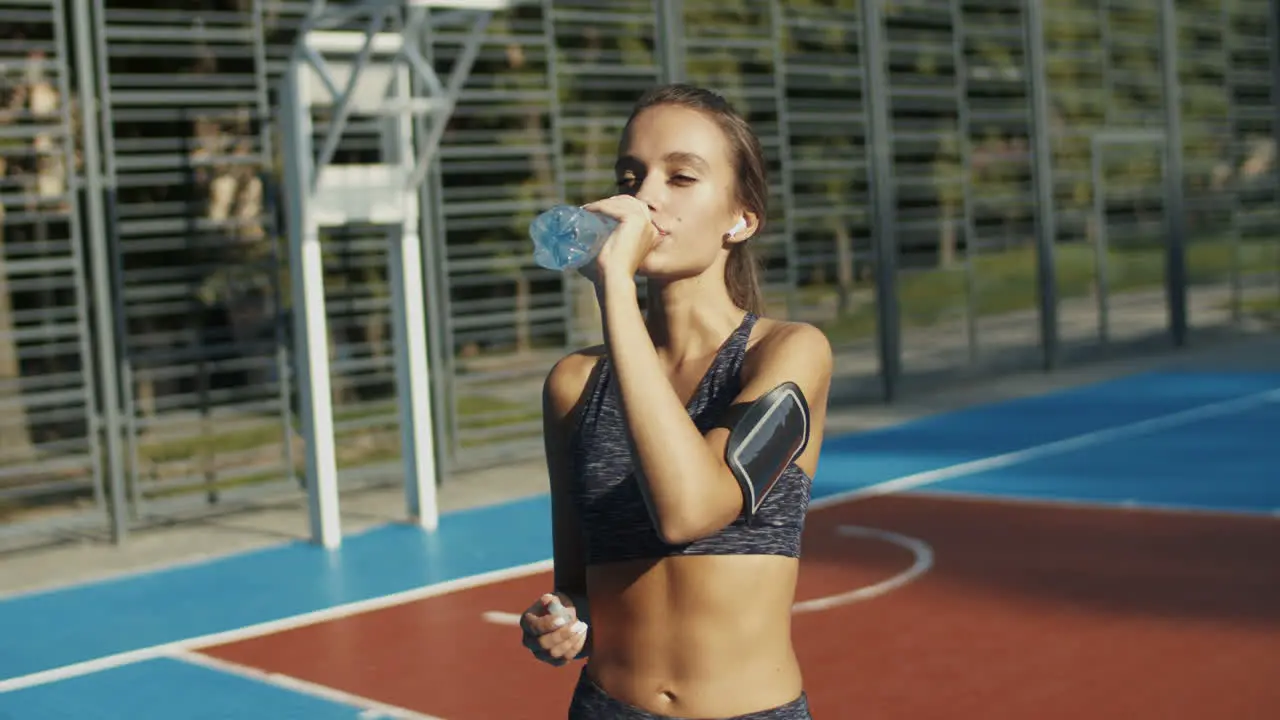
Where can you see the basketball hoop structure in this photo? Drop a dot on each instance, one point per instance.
(368, 72)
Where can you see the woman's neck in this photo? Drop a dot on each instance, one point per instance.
(689, 319)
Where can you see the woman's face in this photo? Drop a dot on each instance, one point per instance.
(677, 161)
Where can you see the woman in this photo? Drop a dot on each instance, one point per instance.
(682, 604)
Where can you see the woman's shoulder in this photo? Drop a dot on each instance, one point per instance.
(567, 380)
(799, 346)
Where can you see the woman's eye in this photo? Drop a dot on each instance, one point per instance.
(682, 179)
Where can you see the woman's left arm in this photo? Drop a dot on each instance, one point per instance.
(689, 487)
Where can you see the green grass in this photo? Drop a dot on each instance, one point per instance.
(270, 431)
(1267, 309)
(1006, 282)
(371, 443)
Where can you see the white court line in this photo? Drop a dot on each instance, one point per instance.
(1057, 447)
(108, 662)
(499, 617)
(922, 563)
(371, 709)
(901, 484)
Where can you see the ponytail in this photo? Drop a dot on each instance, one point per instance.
(742, 276)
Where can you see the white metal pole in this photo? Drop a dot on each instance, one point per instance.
(413, 365)
(310, 201)
(311, 345)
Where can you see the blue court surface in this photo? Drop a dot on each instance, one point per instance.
(165, 688)
(1184, 441)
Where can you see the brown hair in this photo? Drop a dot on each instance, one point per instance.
(742, 273)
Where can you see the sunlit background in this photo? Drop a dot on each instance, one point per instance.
(144, 280)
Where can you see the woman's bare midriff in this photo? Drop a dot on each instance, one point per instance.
(695, 636)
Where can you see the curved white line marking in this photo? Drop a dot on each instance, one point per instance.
(923, 562)
(920, 549)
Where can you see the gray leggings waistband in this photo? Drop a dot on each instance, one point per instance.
(591, 702)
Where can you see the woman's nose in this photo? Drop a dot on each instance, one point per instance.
(650, 192)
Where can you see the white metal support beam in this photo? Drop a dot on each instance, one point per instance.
(457, 76)
(367, 72)
(310, 345)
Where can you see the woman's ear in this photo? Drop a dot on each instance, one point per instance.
(737, 228)
(748, 223)
(753, 225)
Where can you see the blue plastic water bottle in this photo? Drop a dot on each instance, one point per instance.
(567, 237)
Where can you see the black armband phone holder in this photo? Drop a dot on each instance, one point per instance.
(765, 436)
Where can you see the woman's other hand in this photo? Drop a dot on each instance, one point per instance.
(552, 631)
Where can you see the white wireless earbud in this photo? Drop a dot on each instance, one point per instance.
(738, 227)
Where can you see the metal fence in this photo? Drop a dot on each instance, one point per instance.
(959, 186)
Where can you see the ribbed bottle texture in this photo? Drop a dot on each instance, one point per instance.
(567, 237)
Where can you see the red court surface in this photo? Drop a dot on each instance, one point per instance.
(1027, 611)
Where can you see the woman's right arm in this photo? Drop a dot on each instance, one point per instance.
(564, 393)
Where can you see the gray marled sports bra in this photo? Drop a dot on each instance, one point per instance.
(615, 522)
